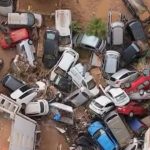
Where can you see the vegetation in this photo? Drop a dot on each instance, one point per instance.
(76, 27)
(96, 27)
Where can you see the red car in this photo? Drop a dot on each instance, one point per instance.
(12, 38)
(142, 82)
(131, 109)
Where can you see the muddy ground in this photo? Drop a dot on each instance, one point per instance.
(82, 11)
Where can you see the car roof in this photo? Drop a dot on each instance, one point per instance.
(90, 40)
(115, 91)
(103, 100)
(63, 21)
(137, 26)
(33, 108)
(66, 61)
(120, 73)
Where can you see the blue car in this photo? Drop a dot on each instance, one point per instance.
(104, 139)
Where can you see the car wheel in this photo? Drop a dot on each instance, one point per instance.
(131, 114)
(141, 92)
(127, 85)
(122, 86)
(30, 42)
(23, 106)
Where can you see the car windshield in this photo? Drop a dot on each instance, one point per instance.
(120, 97)
(59, 71)
(65, 40)
(112, 79)
(24, 88)
(97, 104)
(50, 36)
(42, 107)
(91, 84)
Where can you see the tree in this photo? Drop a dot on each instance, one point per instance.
(96, 27)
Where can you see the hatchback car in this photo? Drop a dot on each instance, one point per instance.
(138, 9)
(51, 48)
(78, 97)
(117, 95)
(132, 27)
(118, 128)
(62, 24)
(66, 61)
(122, 76)
(24, 95)
(131, 109)
(89, 42)
(38, 108)
(11, 82)
(100, 134)
(111, 62)
(142, 82)
(6, 6)
(13, 37)
(27, 50)
(18, 20)
(130, 54)
(101, 105)
(81, 78)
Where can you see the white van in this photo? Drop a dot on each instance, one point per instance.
(38, 108)
(62, 24)
(27, 48)
(81, 79)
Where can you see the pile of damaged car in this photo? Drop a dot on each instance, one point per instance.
(58, 84)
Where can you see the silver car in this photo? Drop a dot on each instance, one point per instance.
(118, 128)
(111, 62)
(6, 6)
(78, 97)
(122, 76)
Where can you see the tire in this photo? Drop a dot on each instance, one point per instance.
(30, 42)
(127, 85)
(122, 86)
(23, 106)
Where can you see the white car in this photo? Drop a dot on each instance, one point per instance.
(62, 24)
(101, 105)
(122, 76)
(83, 79)
(39, 108)
(140, 95)
(67, 60)
(24, 95)
(117, 95)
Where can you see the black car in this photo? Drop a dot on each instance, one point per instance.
(51, 48)
(131, 53)
(136, 30)
(11, 82)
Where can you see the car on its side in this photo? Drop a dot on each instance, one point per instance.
(130, 54)
(51, 48)
(122, 76)
(6, 6)
(89, 42)
(13, 37)
(118, 96)
(140, 95)
(66, 61)
(24, 95)
(19, 20)
(11, 82)
(27, 50)
(102, 136)
(111, 62)
(142, 82)
(118, 128)
(136, 125)
(38, 108)
(81, 78)
(101, 105)
(131, 109)
(62, 24)
(138, 9)
(78, 97)
(132, 27)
